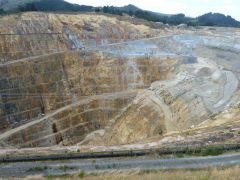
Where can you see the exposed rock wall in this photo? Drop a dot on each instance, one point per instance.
(32, 34)
(90, 79)
(43, 85)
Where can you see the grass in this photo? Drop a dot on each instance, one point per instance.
(37, 169)
(213, 117)
(213, 152)
(65, 168)
(179, 155)
(147, 171)
(204, 152)
(63, 176)
(97, 167)
(207, 152)
(112, 166)
(81, 174)
(210, 173)
(109, 166)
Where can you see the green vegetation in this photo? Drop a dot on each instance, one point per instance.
(2, 11)
(220, 173)
(65, 168)
(37, 168)
(214, 116)
(148, 171)
(97, 167)
(63, 176)
(13, 6)
(209, 19)
(179, 155)
(110, 166)
(160, 131)
(81, 174)
(9, 5)
(204, 152)
(51, 176)
(217, 19)
(111, 10)
(213, 152)
(189, 153)
(93, 174)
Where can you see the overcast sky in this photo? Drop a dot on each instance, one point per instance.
(191, 8)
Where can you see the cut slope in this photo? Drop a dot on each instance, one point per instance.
(95, 80)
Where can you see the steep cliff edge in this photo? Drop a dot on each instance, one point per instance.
(95, 80)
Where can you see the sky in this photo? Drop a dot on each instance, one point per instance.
(192, 8)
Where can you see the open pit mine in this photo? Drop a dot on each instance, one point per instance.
(93, 82)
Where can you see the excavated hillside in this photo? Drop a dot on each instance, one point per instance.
(91, 80)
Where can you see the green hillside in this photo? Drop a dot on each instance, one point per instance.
(13, 6)
(210, 19)
(9, 5)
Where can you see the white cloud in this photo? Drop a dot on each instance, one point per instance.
(227, 1)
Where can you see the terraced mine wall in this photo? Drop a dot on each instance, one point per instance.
(32, 34)
(86, 84)
(52, 87)
(94, 80)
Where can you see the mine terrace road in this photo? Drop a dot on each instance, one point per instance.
(82, 100)
(87, 48)
(62, 51)
(100, 165)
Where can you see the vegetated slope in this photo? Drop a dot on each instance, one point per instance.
(60, 5)
(130, 7)
(9, 5)
(209, 19)
(216, 19)
(213, 19)
(12, 6)
(94, 80)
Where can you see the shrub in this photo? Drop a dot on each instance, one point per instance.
(179, 155)
(81, 174)
(37, 168)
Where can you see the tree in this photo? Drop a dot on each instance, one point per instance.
(97, 9)
(27, 7)
(2, 12)
(105, 9)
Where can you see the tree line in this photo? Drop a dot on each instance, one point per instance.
(210, 19)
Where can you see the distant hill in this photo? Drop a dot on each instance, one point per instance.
(12, 6)
(209, 19)
(215, 19)
(134, 9)
(129, 7)
(60, 5)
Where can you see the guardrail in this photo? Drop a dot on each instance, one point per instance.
(124, 153)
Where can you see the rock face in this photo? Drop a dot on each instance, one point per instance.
(93, 80)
